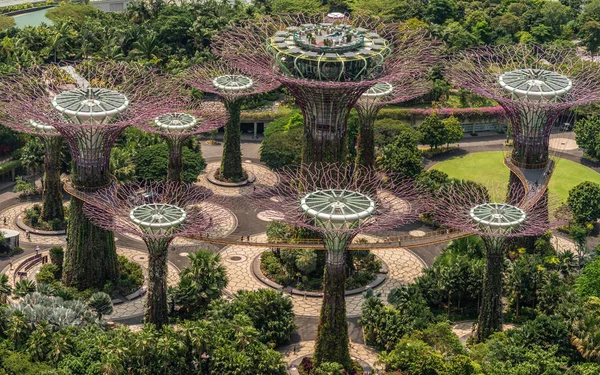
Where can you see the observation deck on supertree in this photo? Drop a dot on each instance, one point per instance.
(379, 95)
(233, 86)
(177, 127)
(338, 202)
(327, 62)
(473, 208)
(534, 85)
(89, 104)
(158, 213)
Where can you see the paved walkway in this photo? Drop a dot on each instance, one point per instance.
(13, 212)
(307, 348)
(264, 177)
(404, 267)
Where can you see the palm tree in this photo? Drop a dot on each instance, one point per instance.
(202, 282)
(146, 47)
(5, 288)
(24, 287)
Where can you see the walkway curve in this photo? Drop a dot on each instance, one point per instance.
(404, 267)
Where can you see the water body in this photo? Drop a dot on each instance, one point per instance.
(34, 18)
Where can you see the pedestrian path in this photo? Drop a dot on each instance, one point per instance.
(404, 267)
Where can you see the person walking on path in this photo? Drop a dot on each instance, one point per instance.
(37, 249)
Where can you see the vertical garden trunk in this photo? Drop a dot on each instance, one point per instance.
(175, 169)
(365, 153)
(91, 257)
(231, 164)
(490, 316)
(332, 332)
(157, 311)
(52, 205)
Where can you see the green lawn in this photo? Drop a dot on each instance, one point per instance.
(487, 167)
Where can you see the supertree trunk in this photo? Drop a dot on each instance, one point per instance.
(157, 311)
(91, 254)
(490, 315)
(332, 333)
(365, 153)
(52, 206)
(90, 257)
(175, 169)
(231, 164)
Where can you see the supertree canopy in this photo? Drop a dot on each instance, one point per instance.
(338, 202)
(402, 89)
(533, 84)
(89, 104)
(232, 86)
(177, 127)
(157, 212)
(472, 208)
(327, 62)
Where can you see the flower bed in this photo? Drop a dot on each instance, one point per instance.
(33, 219)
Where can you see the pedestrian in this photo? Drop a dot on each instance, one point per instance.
(37, 250)
(253, 187)
(248, 238)
(10, 265)
(242, 238)
(4, 220)
(27, 234)
(304, 296)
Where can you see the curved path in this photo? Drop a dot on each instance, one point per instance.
(403, 268)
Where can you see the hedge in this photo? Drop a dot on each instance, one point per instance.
(9, 165)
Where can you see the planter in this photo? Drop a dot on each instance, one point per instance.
(211, 178)
(39, 232)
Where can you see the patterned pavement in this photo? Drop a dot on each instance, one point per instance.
(306, 348)
(404, 267)
(13, 212)
(264, 177)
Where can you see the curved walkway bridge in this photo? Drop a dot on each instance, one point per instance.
(535, 181)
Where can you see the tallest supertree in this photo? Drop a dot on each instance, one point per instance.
(326, 63)
(89, 105)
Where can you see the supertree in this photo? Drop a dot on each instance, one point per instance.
(399, 90)
(326, 62)
(176, 127)
(474, 208)
(158, 212)
(89, 104)
(534, 85)
(338, 202)
(52, 197)
(233, 86)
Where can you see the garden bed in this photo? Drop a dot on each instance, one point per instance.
(32, 222)
(215, 179)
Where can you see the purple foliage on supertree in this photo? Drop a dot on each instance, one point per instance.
(326, 66)
(499, 215)
(113, 208)
(534, 84)
(214, 77)
(89, 104)
(395, 201)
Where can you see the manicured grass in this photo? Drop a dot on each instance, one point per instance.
(487, 167)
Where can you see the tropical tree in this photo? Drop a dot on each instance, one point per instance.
(433, 131)
(201, 282)
(101, 303)
(5, 288)
(584, 201)
(453, 129)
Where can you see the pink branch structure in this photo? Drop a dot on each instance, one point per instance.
(176, 127)
(233, 86)
(470, 207)
(157, 212)
(534, 84)
(89, 104)
(401, 89)
(338, 202)
(326, 63)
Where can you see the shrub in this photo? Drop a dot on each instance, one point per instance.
(6, 22)
(69, 11)
(47, 274)
(415, 357)
(131, 276)
(588, 283)
(56, 257)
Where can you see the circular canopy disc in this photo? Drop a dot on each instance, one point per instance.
(157, 216)
(232, 82)
(336, 15)
(41, 127)
(97, 104)
(498, 216)
(535, 84)
(337, 206)
(379, 89)
(176, 121)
